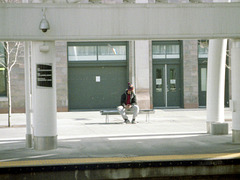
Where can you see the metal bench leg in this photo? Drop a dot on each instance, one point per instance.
(106, 119)
(147, 117)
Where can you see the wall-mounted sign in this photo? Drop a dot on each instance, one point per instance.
(44, 75)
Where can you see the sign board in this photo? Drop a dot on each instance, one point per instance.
(44, 75)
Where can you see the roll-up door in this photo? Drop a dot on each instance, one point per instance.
(97, 74)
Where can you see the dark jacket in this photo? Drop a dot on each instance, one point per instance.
(133, 99)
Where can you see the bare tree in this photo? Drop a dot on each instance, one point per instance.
(11, 51)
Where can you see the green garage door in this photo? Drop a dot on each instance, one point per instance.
(97, 81)
(96, 87)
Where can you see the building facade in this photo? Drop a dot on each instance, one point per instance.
(93, 75)
(87, 57)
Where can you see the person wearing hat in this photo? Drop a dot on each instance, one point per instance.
(128, 103)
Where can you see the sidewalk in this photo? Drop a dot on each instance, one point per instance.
(92, 124)
(170, 132)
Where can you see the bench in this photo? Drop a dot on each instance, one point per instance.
(115, 112)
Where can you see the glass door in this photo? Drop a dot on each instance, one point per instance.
(173, 86)
(202, 70)
(166, 57)
(159, 86)
(166, 91)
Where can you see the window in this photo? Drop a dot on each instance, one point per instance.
(162, 51)
(106, 52)
(2, 72)
(82, 53)
(159, 80)
(172, 79)
(111, 52)
(203, 79)
(202, 49)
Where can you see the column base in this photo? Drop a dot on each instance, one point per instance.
(45, 142)
(28, 140)
(217, 128)
(208, 125)
(236, 136)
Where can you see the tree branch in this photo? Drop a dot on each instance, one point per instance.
(16, 55)
(4, 45)
(3, 64)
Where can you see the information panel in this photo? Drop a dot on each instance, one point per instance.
(44, 75)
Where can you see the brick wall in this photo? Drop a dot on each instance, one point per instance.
(62, 76)
(190, 73)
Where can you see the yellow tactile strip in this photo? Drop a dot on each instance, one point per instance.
(49, 162)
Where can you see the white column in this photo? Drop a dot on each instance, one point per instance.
(44, 96)
(27, 95)
(235, 67)
(142, 67)
(216, 81)
(27, 92)
(131, 62)
(142, 73)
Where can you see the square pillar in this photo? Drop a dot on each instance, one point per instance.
(235, 67)
(44, 95)
(142, 74)
(190, 66)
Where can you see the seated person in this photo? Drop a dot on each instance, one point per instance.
(128, 103)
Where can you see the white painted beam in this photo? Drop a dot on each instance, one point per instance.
(120, 21)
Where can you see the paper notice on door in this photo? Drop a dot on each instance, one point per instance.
(98, 78)
(158, 81)
(172, 81)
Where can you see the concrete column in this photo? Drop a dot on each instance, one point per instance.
(27, 76)
(131, 63)
(142, 67)
(215, 82)
(190, 74)
(235, 60)
(235, 67)
(215, 94)
(142, 73)
(44, 95)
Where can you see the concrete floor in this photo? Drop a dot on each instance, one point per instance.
(86, 135)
